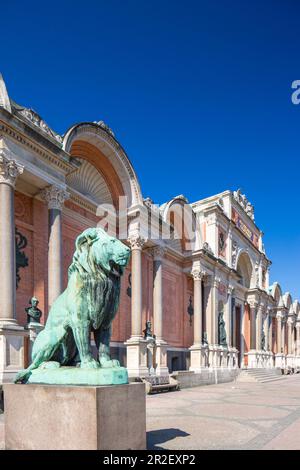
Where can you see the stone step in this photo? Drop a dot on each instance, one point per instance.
(260, 375)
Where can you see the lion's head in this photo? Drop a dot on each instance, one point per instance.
(96, 249)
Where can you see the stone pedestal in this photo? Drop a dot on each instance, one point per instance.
(137, 357)
(33, 329)
(279, 360)
(12, 358)
(50, 417)
(252, 359)
(199, 359)
(161, 358)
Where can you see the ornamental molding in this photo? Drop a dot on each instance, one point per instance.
(9, 169)
(34, 118)
(59, 162)
(136, 241)
(244, 203)
(95, 128)
(55, 197)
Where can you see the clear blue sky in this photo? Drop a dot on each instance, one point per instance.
(198, 93)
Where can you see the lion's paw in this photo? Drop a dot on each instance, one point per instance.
(89, 364)
(108, 363)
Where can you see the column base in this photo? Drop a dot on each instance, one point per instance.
(291, 361)
(12, 358)
(161, 358)
(233, 358)
(199, 357)
(253, 359)
(280, 360)
(136, 351)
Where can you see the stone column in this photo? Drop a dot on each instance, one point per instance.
(298, 338)
(11, 335)
(136, 345)
(259, 322)
(55, 198)
(252, 353)
(229, 313)
(298, 344)
(279, 353)
(289, 335)
(161, 345)
(253, 312)
(197, 348)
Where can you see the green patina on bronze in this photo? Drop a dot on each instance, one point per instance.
(89, 304)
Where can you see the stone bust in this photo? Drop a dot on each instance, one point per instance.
(33, 312)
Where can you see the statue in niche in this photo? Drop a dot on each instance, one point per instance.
(88, 305)
(33, 312)
(221, 330)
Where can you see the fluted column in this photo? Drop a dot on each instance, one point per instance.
(197, 358)
(298, 338)
(198, 275)
(216, 283)
(12, 335)
(259, 320)
(289, 335)
(161, 345)
(9, 172)
(279, 333)
(229, 314)
(253, 311)
(136, 346)
(55, 197)
(136, 243)
(158, 254)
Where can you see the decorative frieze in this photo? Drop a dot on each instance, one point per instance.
(55, 197)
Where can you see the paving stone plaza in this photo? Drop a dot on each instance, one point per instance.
(236, 415)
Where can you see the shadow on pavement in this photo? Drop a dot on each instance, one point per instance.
(163, 435)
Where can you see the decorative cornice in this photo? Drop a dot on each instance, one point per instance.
(136, 241)
(35, 119)
(55, 197)
(60, 162)
(9, 170)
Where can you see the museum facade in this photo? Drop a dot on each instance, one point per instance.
(198, 271)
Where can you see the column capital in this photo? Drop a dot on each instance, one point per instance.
(230, 289)
(136, 241)
(158, 252)
(198, 274)
(253, 304)
(216, 281)
(9, 170)
(55, 197)
(279, 316)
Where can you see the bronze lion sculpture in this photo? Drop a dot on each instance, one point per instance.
(89, 304)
